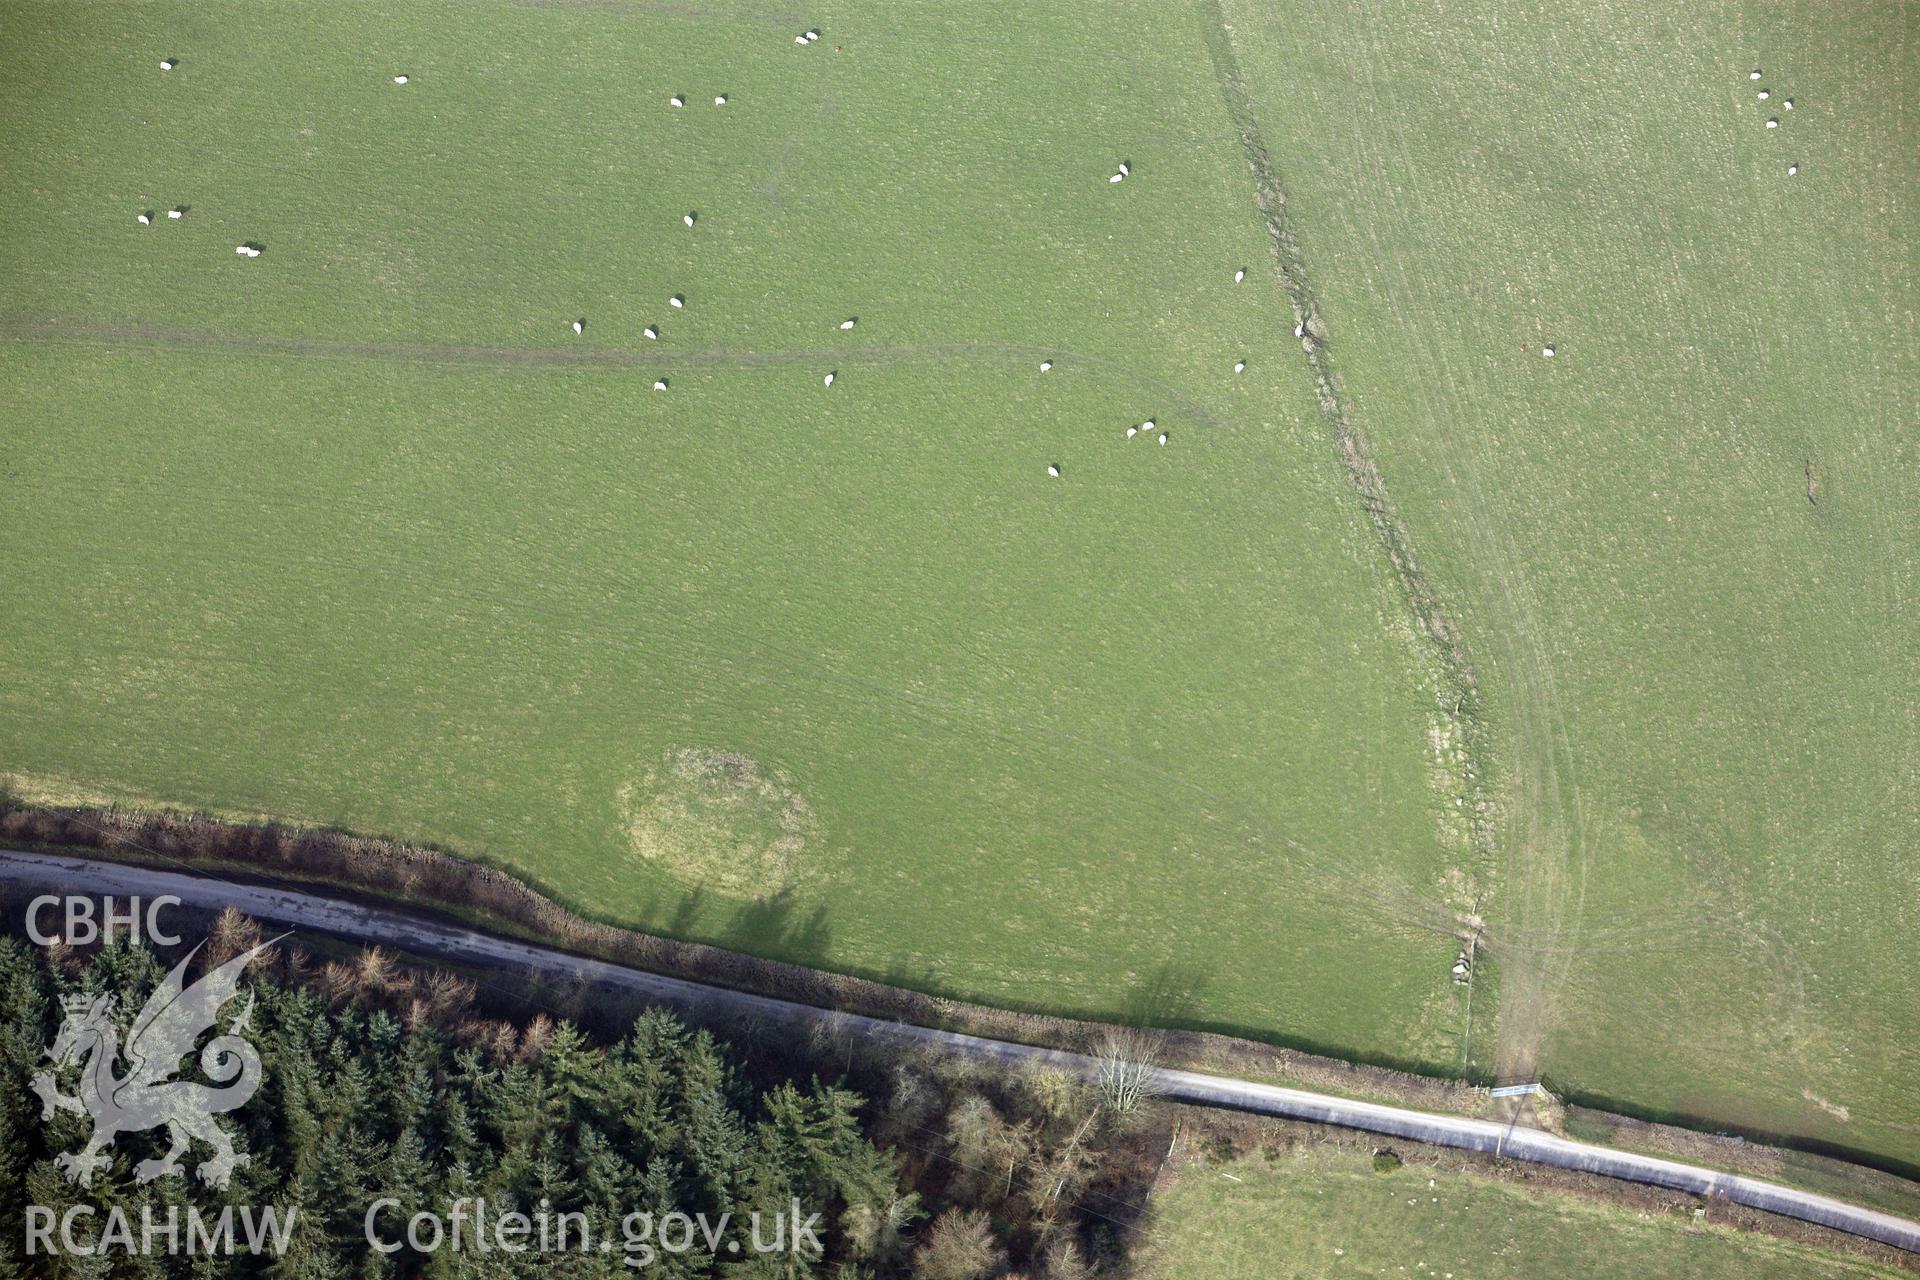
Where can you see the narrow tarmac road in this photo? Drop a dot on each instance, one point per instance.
(34, 873)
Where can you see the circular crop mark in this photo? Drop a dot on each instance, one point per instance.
(723, 820)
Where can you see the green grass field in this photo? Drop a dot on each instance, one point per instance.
(1701, 683)
(360, 533)
(1325, 1212)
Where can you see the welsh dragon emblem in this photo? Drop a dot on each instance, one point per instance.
(148, 1096)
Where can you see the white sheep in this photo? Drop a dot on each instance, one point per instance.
(1239, 366)
(1788, 104)
(178, 212)
(719, 99)
(1132, 432)
(240, 249)
(1046, 366)
(799, 39)
(166, 64)
(1240, 275)
(827, 381)
(1793, 170)
(1754, 74)
(688, 219)
(143, 219)
(1300, 329)
(1116, 177)
(1053, 469)
(1147, 425)
(399, 79)
(676, 301)
(659, 384)
(579, 326)
(1126, 170)
(650, 332)
(676, 101)
(1547, 352)
(1774, 123)
(813, 33)
(1764, 95)
(1163, 437)
(847, 323)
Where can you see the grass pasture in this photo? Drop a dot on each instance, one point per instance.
(1700, 682)
(359, 532)
(1325, 1212)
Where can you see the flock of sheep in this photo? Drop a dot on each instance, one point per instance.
(652, 332)
(1773, 122)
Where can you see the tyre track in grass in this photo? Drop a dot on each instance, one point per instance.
(1444, 651)
(56, 332)
(1542, 885)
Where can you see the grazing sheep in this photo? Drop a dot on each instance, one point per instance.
(1793, 170)
(1240, 275)
(166, 64)
(1547, 352)
(144, 219)
(799, 39)
(847, 323)
(1147, 425)
(1046, 366)
(659, 384)
(677, 301)
(240, 249)
(178, 212)
(1126, 170)
(827, 381)
(1300, 330)
(1163, 437)
(719, 99)
(1116, 177)
(650, 332)
(1788, 104)
(1053, 469)
(1754, 74)
(579, 326)
(676, 101)
(399, 79)
(1239, 366)
(813, 33)
(1764, 95)
(1132, 432)
(1774, 123)
(688, 219)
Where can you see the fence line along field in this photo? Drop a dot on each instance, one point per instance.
(389, 527)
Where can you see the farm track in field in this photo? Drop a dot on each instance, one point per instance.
(1446, 650)
(664, 360)
(1543, 844)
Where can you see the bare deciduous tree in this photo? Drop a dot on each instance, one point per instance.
(960, 1245)
(1126, 1073)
